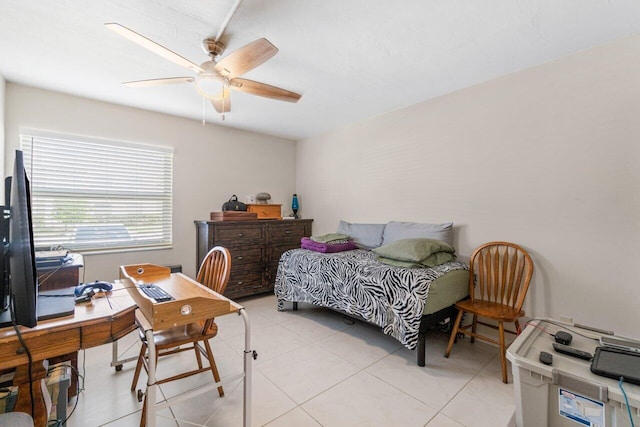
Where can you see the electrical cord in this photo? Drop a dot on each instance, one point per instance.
(46, 276)
(29, 358)
(626, 401)
(562, 326)
(555, 336)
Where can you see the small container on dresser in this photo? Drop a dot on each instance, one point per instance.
(255, 246)
(265, 211)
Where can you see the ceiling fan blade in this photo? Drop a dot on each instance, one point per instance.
(158, 82)
(263, 89)
(246, 58)
(153, 46)
(222, 104)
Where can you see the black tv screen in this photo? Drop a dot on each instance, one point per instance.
(22, 268)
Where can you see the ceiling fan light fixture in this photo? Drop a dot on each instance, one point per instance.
(210, 86)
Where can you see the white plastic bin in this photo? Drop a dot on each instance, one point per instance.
(565, 393)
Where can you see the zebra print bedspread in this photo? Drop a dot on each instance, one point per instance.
(354, 282)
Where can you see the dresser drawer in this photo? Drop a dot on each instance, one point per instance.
(291, 232)
(243, 283)
(243, 257)
(236, 236)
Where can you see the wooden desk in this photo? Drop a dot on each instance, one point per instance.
(63, 277)
(93, 324)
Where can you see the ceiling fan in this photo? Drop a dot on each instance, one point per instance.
(213, 75)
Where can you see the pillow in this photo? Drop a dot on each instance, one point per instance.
(403, 264)
(428, 252)
(366, 236)
(396, 230)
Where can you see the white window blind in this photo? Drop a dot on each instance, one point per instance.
(90, 194)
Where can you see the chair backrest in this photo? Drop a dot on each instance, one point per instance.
(215, 269)
(214, 273)
(502, 272)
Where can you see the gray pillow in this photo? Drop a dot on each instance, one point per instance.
(396, 230)
(366, 236)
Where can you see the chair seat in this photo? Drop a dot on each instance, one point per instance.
(489, 309)
(16, 419)
(180, 335)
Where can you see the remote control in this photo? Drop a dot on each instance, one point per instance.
(570, 351)
(546, 358)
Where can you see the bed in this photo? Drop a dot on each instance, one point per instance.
(404, 302)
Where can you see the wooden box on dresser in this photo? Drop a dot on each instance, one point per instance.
(255, 246)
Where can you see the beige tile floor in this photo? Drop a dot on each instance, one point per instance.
(314, 368)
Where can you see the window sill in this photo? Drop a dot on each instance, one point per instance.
(106, 251)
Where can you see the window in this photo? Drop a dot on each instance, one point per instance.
(92, 194)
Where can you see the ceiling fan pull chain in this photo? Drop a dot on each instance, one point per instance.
(203, 122)
(223, 97)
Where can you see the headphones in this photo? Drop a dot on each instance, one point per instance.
(89, 287)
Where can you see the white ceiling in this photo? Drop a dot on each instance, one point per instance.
(350, 59)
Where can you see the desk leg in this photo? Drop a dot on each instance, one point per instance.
(249, 355)
(150, 395)
(116, 362)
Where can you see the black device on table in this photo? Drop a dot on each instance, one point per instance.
(615, 363)
(546, 358)
(85, 291)
(570, 351)
(97, 285)
(155, 292)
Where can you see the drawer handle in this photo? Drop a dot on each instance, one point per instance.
(240, 282)
(287, 232)
(240, 257)
(240, 234)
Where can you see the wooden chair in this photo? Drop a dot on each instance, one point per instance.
(15, 419)
(502, 273)
(213, 273)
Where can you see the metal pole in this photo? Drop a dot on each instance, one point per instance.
(150, 395)
(248, 357)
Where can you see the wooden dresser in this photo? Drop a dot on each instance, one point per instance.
(255, 246)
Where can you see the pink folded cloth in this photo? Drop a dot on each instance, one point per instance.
(307, 243)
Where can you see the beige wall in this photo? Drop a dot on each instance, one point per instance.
(210, 162)
(548, 158)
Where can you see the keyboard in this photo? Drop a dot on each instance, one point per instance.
(155, 292)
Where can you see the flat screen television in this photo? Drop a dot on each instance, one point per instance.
(4, 251)
(22, 256)
(19, 261)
